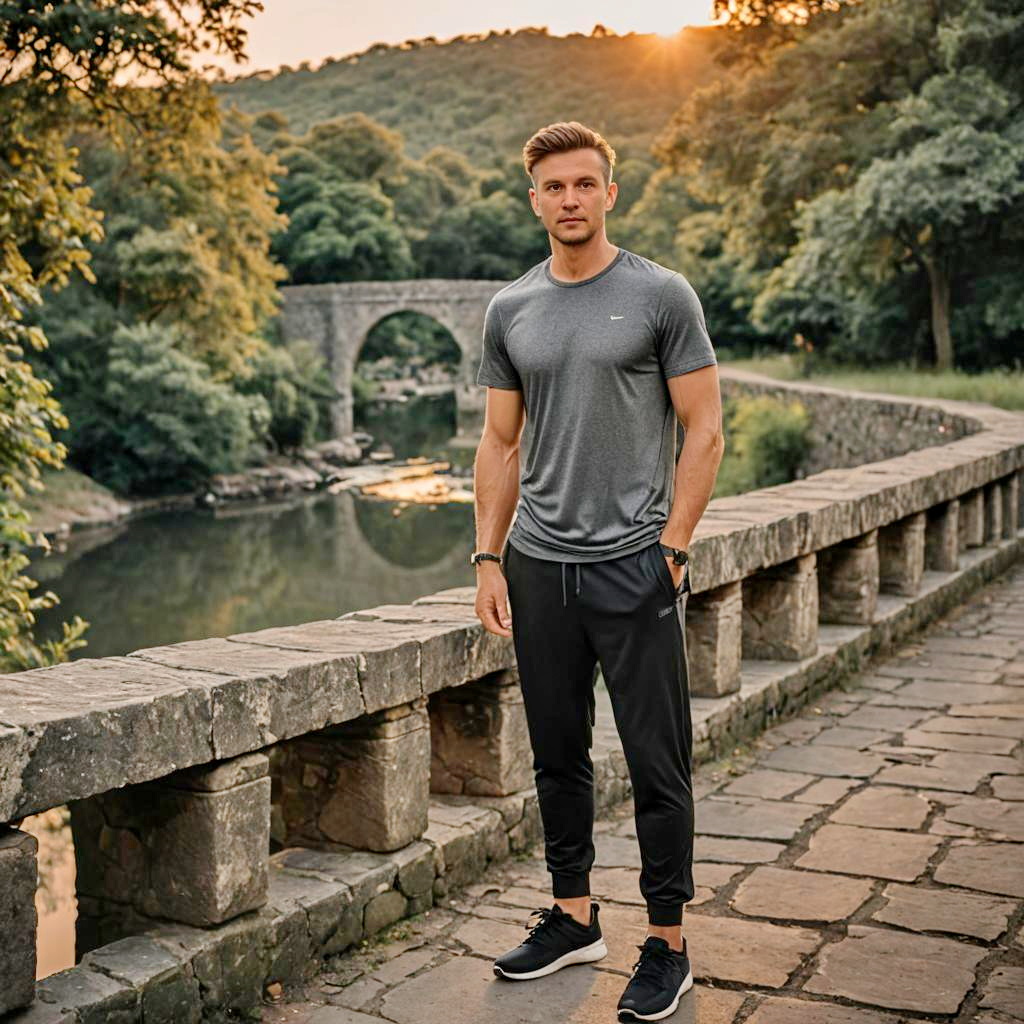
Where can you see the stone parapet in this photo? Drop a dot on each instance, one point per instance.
(320, 903)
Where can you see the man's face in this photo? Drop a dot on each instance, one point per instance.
(569, 195)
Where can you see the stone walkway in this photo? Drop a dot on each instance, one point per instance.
(862, 864)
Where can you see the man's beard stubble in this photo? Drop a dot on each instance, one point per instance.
(577, 239)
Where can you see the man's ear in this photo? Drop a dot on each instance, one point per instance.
(613, 191)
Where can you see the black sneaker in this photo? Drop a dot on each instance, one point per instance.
(660, 977)
(555, 941)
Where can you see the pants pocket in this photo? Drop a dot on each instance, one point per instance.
(666, 573)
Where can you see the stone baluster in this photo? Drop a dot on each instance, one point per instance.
(848, 580)
(993, 503)
(780, 611)
(942, 537)
(191, 847)
(18, 881)
(363, 784)
(901, 555)
(972, 519)
(714, 636)
(1011, 495)
(479, 741)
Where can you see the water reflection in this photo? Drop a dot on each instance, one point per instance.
(193, 574)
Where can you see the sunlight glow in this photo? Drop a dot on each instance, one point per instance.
(290, 31)
(662, 17)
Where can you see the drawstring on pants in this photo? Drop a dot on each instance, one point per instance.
(577, 582)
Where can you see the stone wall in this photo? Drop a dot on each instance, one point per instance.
(850, 428)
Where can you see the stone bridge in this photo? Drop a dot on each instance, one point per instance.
(338, 318)
(245, 808)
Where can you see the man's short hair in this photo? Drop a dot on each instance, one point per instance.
(564, 136)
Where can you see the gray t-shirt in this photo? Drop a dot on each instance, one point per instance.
(597, 455)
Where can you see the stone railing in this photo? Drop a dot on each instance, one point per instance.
(383, 756)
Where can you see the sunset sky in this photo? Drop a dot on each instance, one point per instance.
(290, 31)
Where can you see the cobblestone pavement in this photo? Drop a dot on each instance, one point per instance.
(861, 864)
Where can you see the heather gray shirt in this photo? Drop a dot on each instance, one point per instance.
(591, 357)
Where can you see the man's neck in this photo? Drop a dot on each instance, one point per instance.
(579, 262)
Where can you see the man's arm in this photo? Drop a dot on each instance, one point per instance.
(496, 491)
(697, 400)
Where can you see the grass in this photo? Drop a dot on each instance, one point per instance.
(1002, 387)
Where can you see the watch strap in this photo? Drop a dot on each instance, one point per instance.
(675, 553)
(479, 556)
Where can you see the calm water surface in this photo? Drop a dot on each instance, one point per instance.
(192, 574)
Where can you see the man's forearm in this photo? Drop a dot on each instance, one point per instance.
(695, 474)
(495, 490)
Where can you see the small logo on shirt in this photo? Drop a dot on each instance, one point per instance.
(666, 611)
(617, 318)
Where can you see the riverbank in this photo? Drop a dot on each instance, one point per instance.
(72, 502)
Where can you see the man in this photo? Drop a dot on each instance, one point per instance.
(590, 357)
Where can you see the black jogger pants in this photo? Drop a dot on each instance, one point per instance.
(626, 615)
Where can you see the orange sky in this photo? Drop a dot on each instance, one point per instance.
(290, 31)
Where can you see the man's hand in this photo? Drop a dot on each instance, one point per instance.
(677, 572)
(492, 599)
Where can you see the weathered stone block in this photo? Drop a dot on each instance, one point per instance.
(780, 611)
(714, 634)
(83, 996)
(165, 993)
(993, 512)
(384, 909)
(901, 554)
(972, 519)
(941, 537)
(848, 580)
(364, 784)
(479, 741)
(18, 880)
(191, 847)
(1011, 495)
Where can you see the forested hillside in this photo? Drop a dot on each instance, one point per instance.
(486, 94)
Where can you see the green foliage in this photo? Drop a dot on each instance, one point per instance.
(343, 231)
(186, 249)
(60, 65)
(768, 442)
(885, 208)
(486, 94)
(404, 336)
(170, 425)
(297, 389)
(1002, 387)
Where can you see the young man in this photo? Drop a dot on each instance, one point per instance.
(590, 357)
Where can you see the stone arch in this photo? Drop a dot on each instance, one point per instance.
(338, 317)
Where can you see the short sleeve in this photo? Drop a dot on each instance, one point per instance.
(496, 369)
(682, 334)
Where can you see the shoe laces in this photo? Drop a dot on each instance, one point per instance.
(653, 963)
(548, 918)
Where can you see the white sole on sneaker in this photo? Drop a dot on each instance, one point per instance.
(584, 955)
(685, 986)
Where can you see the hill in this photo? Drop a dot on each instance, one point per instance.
(485, 95)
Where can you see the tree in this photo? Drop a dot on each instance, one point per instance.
(904, 174)
(64, 63)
